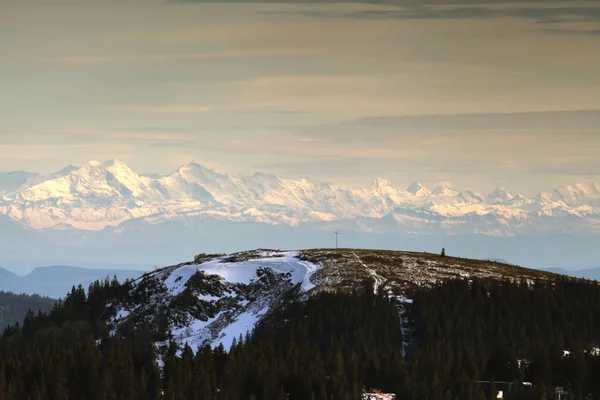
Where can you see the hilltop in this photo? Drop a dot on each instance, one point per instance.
(399, 271)
(217, 298)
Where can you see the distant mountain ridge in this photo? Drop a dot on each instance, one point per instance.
(16, 180)
(587, 273)
(104, 195)
(56, 281)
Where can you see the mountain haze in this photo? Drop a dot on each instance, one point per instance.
(57, 280)
(588, 273)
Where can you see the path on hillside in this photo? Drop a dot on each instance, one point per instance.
(402, 303)
(379, 280)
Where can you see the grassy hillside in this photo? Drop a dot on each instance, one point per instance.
(400, 271)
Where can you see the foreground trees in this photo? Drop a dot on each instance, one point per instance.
(327, 347)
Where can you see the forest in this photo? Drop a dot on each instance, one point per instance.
(13, 307)
(330, 346)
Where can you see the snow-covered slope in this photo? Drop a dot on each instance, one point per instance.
(99, 195)
(90, 198)
(216, 300)
(577, 194)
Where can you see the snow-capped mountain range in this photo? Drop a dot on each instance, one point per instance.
(100, 195)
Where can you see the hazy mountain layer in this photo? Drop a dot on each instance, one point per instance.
(56, 281)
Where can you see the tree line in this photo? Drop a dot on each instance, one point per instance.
(329, 346)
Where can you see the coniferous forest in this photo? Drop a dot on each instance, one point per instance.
(328, 346)
(13, 307)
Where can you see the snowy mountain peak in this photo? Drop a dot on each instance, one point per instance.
(96, 183)
(63, 172)
(444, 190)
(578, 193)
(500, 195)
(194, 164)
(381, 183)
(194, 170)
(472, 197)
(418, 190)
(114, 163)
(121, 171)
(544, 198)
(97, 195)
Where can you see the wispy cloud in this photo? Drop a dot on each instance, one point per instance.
(335, 89)
(546, 121)
(168, 57)
(162, 135)
(571, 32)
(402, 3)
(196, 109)
(76, 152)
(539, 14)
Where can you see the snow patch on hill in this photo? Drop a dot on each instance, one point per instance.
(218, 300)
(281, 263)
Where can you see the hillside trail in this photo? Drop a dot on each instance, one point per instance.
(402, 302)
(379, 280)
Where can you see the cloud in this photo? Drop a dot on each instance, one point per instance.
(196, 109)
(471, 171)
(87, 134)
(586, 167)
(527, 121)
(166, 57)
(572, 32)
(527, 150)
(521, 134)
(349, 95)
(401, 3)
(565, 143)
(460, 137)
(538, 14)
(77, 153)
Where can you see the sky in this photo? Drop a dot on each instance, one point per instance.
(474, 94)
